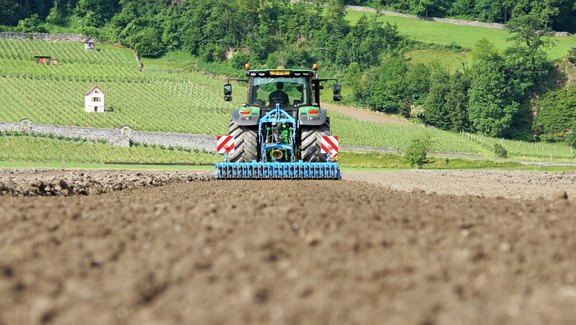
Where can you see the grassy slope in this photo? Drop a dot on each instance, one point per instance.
(45, 150)
(446, 34)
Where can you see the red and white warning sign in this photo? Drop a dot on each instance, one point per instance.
(329, 145)
(225, 144)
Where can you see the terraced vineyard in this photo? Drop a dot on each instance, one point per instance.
(54, 94)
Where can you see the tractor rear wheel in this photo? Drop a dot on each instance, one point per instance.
(311, 136)
(246, 143)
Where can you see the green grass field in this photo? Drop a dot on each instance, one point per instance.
(45, 150)
(447, 34)
(36, 152)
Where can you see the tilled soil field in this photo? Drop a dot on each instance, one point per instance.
(186, 250)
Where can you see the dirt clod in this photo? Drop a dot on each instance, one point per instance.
(560, 195)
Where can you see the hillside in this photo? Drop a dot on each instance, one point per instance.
(465, 37)
(169, 97)
(54, 94)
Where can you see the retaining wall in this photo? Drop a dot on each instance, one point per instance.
(70, 38)
(121, 137)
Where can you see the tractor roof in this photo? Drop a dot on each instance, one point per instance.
(277, 73)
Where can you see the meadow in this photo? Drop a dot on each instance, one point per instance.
(448, 34)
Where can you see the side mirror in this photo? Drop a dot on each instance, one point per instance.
(336, 90)
(227, 92)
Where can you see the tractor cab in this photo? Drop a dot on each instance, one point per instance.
(289, 88)
(297, 91)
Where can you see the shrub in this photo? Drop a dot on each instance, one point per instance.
(571, 137)
(32, 24)
(554, 119)
(500, 151)
(239, 59)
(572, 55)
(417, 152)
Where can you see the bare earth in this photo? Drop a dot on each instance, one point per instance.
(180, 249)
(488, 183)
(366, 115)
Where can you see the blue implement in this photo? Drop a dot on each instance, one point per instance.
(273, 170)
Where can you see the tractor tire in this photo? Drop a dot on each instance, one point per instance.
(246, 143)
(311, 136)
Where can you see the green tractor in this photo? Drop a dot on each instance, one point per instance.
(280, 124)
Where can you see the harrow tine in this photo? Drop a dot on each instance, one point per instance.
(258, 170)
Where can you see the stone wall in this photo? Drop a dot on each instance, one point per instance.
(121, 137)
(70, 38)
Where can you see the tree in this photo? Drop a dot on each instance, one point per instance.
(531, 34)
(464, 8)
(96, 13)
(32, 24)
(557, 115)
(9, 12)
(388, 89)
(493, 98)
(436, 112)
(457, 101)
(428, 8)
(417, 87)
(495, 10)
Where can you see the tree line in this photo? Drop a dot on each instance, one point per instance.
(494, 95)
(560, 14)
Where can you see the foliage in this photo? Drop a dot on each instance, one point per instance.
(387, 85)
(31, 24)
(417, 152)
(437, 112)
(500, 151)
(417, 87)
(557, 114)
(493, 97)
(571, 136)
(457, 101)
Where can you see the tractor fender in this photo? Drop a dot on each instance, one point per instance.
(312, 120)
(245, 120)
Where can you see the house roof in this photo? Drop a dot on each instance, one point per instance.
(94, 88)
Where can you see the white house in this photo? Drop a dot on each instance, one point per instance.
(94, 100)
(89, 44)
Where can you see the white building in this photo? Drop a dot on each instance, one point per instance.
(89, 44)
(94, 100)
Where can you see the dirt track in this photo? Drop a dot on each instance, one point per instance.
(207, 252)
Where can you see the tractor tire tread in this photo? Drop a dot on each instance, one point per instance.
(310, 144)
(246, 143)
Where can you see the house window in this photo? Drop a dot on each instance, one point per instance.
(96, 99)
